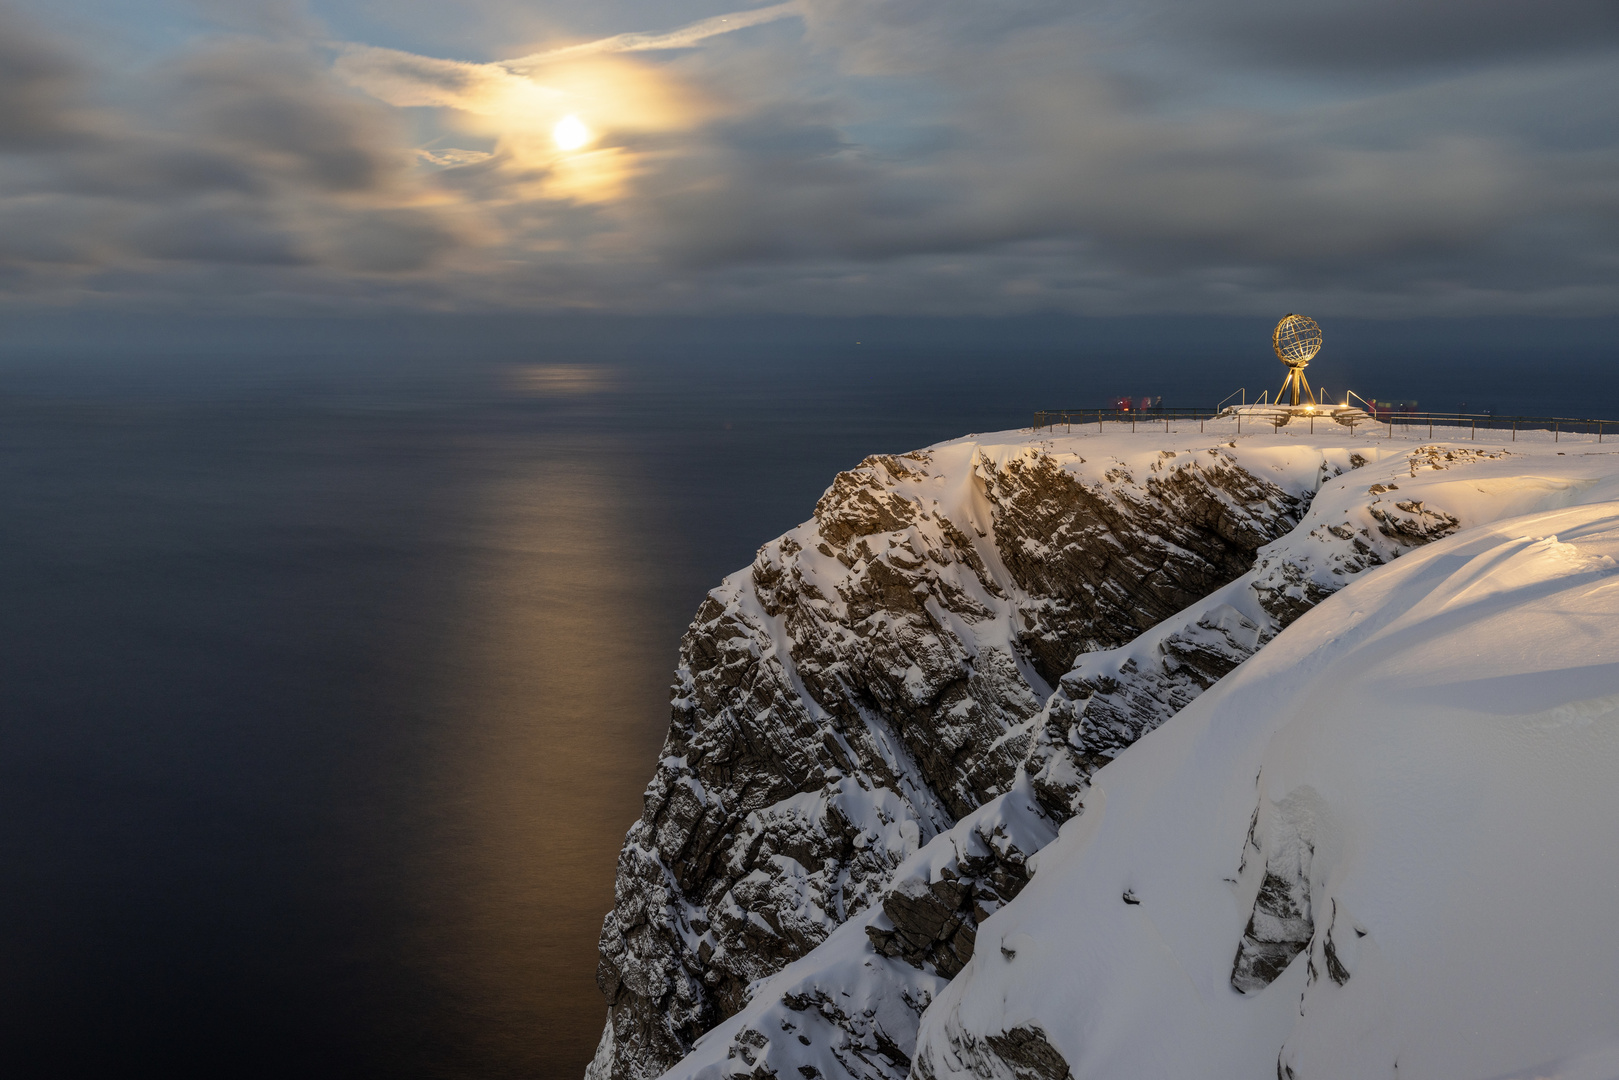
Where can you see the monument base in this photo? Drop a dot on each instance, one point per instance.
(1282, 415)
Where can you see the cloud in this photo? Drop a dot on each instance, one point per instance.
(1039, 139)
(275, 20)
(453, 157)
(274, 105)
(1380, 36)
(844, 156)
(390, 240)
(243, 152)
(407, 80)
(38, 87)
(911, 37)
(683, 38)
(214, 233)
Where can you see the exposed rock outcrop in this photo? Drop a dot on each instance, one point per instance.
(1022, 1053)
(1110, 698)
(930, 920)
(1282, 924)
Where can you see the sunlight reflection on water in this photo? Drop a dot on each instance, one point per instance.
(549, 379)
(328, 704)
(551, 733)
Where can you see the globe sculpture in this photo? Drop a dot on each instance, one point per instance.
(1296, 340)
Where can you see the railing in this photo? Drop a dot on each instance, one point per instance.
(1069, 417)
(1473, 423)
(1450, 425)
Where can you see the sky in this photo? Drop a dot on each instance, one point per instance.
(1382, 159)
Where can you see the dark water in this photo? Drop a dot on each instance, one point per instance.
(330, 679)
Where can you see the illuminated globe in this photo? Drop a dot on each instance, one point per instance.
(1296, 339)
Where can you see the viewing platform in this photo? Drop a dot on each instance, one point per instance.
(1281, 415)
(1297, 406)
(1264, 418)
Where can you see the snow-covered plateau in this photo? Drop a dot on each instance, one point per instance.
(1162, 754)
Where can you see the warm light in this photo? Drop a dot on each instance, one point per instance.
(570, 133)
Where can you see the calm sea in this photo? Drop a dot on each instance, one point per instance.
(330, 676)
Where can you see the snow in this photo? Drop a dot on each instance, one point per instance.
(1421, 761)
(1431, 751)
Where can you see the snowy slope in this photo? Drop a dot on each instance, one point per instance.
(1384, 846)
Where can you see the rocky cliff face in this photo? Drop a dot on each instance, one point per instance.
(881, 678)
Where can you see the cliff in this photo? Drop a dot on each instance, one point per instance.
(879, 724)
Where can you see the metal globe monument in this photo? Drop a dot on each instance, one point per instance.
(1296, 340)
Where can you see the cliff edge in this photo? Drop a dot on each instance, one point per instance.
(877, 725)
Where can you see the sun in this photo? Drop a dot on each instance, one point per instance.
(570, 133)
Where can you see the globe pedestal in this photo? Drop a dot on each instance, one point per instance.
(1300, 386)
(1280, 415)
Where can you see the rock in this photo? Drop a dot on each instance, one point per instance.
(1279, 929)
(932, 921)
(1022, 1053)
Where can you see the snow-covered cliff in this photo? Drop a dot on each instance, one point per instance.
(1385, 847)
(879, 725)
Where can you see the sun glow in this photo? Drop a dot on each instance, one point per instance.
(570, 133)
(530, 124)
